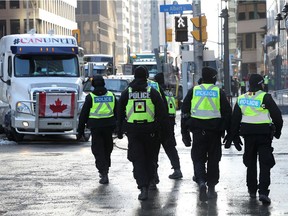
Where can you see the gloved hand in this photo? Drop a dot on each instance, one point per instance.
(227, 141)
(186, 139)
(277, 135)
(120, 135)
(238, 143)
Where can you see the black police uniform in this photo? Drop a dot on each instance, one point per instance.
(170, 145)
(258, 141)
(101, 130)
(207, 134)
(141, 135)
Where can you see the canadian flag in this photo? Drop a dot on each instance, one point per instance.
(56, 105)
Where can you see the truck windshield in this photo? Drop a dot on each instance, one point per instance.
(48, 65)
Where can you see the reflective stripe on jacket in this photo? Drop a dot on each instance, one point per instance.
(252, 110)
(140, 108)
(102, 106)
(205, 103)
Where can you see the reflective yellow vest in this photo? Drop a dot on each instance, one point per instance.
(171, 103)
(205, 103)
(266, 80)
(140, 108)
(252, 110)
(102, 106)
(154, 85)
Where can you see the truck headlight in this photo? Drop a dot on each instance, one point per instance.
(22, 108)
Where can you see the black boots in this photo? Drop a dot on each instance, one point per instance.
(104, 179)
(211, 192)
(144, 194)
(203, 192)
(177, 174)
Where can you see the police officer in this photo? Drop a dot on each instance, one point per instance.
(99, 112)
(243, 86)
(257, 119)
(206, 112)
(170, 145)
(140, 111)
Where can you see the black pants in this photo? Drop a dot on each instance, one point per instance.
(169, 146)
(102, 146)
(206, 148)
(141, 152)
(258, 145)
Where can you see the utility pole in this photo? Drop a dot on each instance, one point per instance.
(198, 45)
(227, 80)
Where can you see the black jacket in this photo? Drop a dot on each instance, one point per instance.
(161, 118)
(238, 128)
(95, 123)
(221, 124)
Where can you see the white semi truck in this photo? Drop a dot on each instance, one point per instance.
(41, 85)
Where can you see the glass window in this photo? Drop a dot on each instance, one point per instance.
(95, 7)
(46, 65)
(2, 4)
(2, 28)
(86, 7)
(15, 26)
(14, 4)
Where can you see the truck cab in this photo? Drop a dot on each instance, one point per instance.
(41, 85)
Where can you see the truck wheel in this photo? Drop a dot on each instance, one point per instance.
(12, 135)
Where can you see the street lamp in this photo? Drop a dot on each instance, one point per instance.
(278, 58)
(227, 81)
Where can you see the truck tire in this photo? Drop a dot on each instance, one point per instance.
(12, 135)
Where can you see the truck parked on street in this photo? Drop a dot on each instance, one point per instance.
(41, 85)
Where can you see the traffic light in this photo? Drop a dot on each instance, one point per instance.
(181, 29)
(169, 35)
(76, 34)
(200, 34)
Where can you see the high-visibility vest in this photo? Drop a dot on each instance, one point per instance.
(252, 110)
(171, 103)
(266, 80)
(242, 83)
(154, 85)
(205, 103)
(140, 108)
(102, 106)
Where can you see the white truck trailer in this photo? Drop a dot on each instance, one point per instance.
(41, 85)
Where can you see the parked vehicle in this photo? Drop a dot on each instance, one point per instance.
(41, 90)
(113, 83)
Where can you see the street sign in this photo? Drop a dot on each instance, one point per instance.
(175, 8)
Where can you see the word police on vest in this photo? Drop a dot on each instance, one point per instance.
(103, 99)
(139, 95)
(249, 102)
(206, 93)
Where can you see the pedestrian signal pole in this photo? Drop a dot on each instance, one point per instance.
(198, 36)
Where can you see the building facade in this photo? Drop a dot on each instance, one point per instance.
(42, 15)
(251, 20)
(275, 44)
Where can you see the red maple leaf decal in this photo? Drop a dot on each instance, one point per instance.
(58, 107)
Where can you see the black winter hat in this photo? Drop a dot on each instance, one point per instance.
(140, 72)
(98, 81)
(255, 80)
(159, 78)
(209, 75)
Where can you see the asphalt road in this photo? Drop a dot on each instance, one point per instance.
(59, 178)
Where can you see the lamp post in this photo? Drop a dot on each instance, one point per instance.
(278, 58)
(227, 81)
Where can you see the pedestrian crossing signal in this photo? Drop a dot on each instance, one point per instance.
(181, 29)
